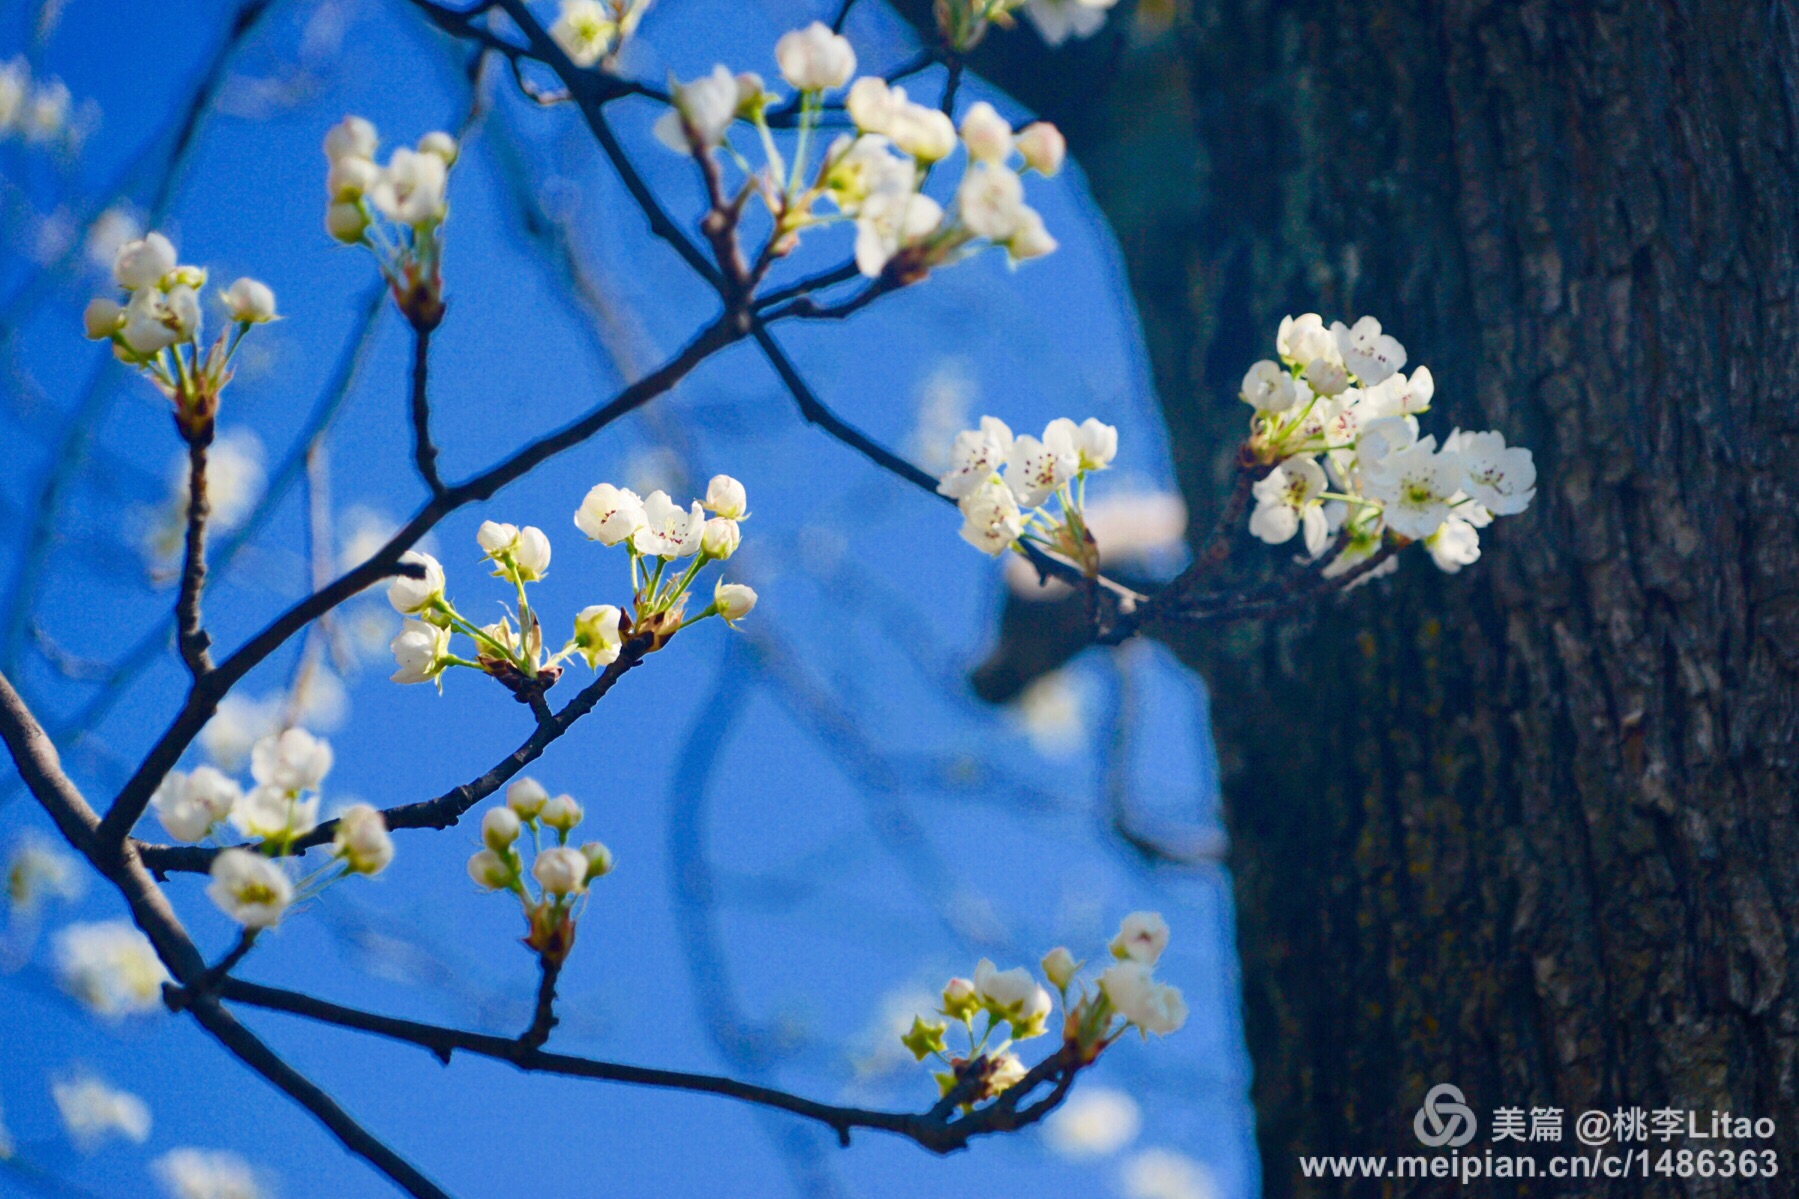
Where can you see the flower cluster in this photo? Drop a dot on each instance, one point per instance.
(876, 177)
(157, 328)
(397, 211)
(1127, 995)
(561, 871)
(1002, 482)
(592, 31)
(656, 532)
(40, 112)
(1339, 394)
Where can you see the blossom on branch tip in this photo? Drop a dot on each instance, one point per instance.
(1142, 936)
(704, 109)
(1059, 967)
(526, 798)
(421, 652)
(597, 636)
(1286, 501)
(721, 538)
(1042, 146)
(726, 497)
(975, 455)
(499, 829)
(249, 888)
(1371, 355)
(293, 761)
(1035, 469)
(352, 137)
(491, 871)
(561, 813)
(991, 520)
(525, 550)
(561, 870)
(609, 514)
(1136, 995)
(410, 189)
(362, 840)
(144, 263)
(669, 531)
(599, 860)
(275, 815)
(250, 302)
(409, 596)
(814, 59)
(987, 135)
(733, 600)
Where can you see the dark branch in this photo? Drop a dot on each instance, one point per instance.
(939, 1130)
(543, 1018)
(424, 453)
(190, 637)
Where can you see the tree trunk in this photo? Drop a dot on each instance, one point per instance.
(1527, 829)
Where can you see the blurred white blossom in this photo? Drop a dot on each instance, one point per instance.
(93, 1112)
(1165, 1174)
(207, 1174)
(110, 967)
(1094, 1121)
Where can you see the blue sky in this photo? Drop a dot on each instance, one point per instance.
(844, 870)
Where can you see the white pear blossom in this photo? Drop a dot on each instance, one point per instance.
(275, 814)
(1400, 394)
(924, 133)
(294, 761)
(609, 514)
(110, 967)
(1165, 1174)
(1031, 239)
(872, 103)
(1150, 1005)
(1036, 469)
(352, 137)
(526, 797)
(991, 520)
(990, 201)
(93, 1112)
(561, 813)
(1093, 1122)
(412, 596)
(584, 29)
(1286, 501)
(249, 888)
(668, 531)
(490, 870)
(890, 219)
(144, 263)
(1306, 339)
(206, 1174)
(1095, 443)
(191, 805)
(814, 59)
(350, 178)
(1059, 20)
(37, 870)
(410, 190)
(1454, 545)
(420, 652)
(440, 145)
(1142, 936)
(975, 455)
(102, 318)
(561, 870)
(1059, 967)
(599, 859)
(726, 497)
(250, 301)
(1371, 355)
(1006, 1072)
(1008, 992)
(1042, 146)
(150, 325)
(528, 548)
(362, 840)
(721, 538)
(1503, 479)
(1415, 486)
(597, 636)
(987, 135)
(733, 600)
(1268, 388)
(1327, 378)
(703, 108)
(239, 724)
(499, 828)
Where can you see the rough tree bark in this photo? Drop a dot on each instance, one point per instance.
(1528, 829)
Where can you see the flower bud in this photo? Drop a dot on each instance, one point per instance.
(349, 178)
(1031, 239)
(490, 870)
(1043, 147)
(442, 145)
(350, 137)
(532, 554)
(726, 497)
(346, 222)
(721, 538)
(102, 318)
(526, 798)
(1142, 936)
(960, 999)
(596, 634)
(499, 829)
(815, 59)
(733, 600)
(144, 262)
(1059, 967)
(599, 860)
(561, 813)
(496, 538)
(561, 870)
(410, 596)
(184, 311)
(250, 301)
(362, 840)
(986, 134)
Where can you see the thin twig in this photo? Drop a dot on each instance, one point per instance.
(543, 1018)
(190, 636)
